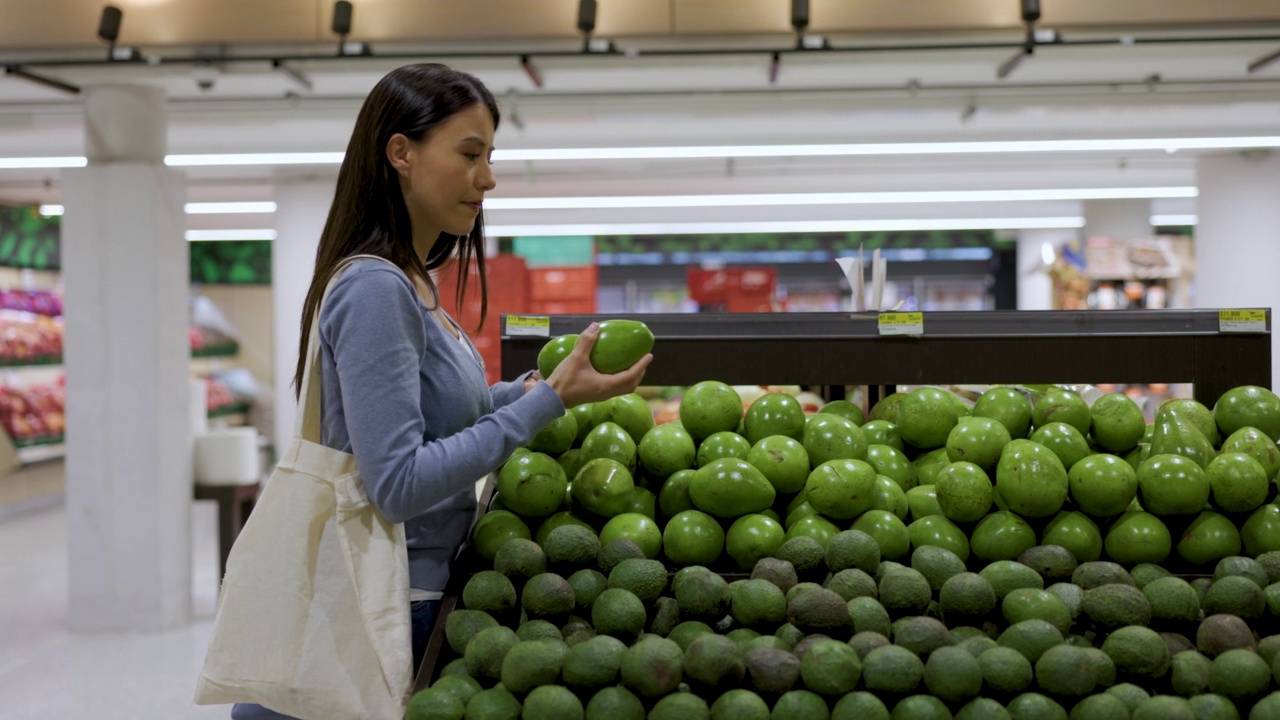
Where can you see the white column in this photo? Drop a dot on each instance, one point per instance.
(1035, 287)
(301, 209)
(1117, 218)
(1238, 235)
(126, 272)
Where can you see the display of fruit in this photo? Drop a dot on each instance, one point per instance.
(26, 338)
(1026, 555)
(39, 302)
(217, 396)
(34, 414)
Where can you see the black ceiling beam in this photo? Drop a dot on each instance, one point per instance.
(1126, 41)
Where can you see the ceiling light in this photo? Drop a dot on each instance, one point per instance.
(28, 163)
(1167, 145)
(228, 208)
(251, 234)
(853, 198)
(301, 158)
(811, 226)
(205, 208)
(1173, 220)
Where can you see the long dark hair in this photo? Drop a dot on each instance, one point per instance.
(368, 214)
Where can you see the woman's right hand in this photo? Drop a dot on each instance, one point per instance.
(577, 382)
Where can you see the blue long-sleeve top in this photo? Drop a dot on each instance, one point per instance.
(411, 402)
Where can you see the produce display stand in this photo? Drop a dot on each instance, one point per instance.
(460, 572)
(829, 351)
(832, 350)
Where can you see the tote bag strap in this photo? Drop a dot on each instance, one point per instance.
(307, 422)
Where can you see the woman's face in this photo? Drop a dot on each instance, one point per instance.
(445, 176)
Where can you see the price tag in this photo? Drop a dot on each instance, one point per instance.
(1242, 321)
(902, 323)
(528, 326)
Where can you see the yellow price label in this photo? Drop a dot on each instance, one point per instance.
(1242, 320)
(901, 323)
(529, 325)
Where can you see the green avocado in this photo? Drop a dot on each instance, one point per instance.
(620, 344)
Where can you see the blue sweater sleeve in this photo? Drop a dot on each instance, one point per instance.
(505, 393)
(374, 326)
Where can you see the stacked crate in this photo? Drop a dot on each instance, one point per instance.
(562, 290)
(509, 293)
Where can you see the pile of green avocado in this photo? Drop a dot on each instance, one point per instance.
(1027, 554)
(573, 629)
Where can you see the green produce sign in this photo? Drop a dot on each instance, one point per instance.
(28, 239)
(231, 262)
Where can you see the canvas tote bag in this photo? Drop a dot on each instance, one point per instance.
(313, 614)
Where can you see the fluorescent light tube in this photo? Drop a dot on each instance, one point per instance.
(228, 208)
(305, 158)
(246, 234)
(856, 198)
(1169, 145)
(27, 163)
(1174, 220)
(810, 226)
(207, 208)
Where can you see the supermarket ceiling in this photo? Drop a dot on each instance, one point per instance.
(680, 72)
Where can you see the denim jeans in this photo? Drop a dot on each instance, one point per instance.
(422, 617)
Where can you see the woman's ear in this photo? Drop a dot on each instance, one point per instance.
(400, 153)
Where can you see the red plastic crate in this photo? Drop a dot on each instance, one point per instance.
(566, 283)
(563, 307)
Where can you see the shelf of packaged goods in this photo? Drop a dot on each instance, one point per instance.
(838, 349)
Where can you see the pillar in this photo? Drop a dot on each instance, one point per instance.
(1035, 286)
(127, 355)
(1238, 234)
(301, 209)
(1117, 218)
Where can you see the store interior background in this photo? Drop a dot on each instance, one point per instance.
(1092, 227)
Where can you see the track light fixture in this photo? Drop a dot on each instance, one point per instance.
(109, 31)
(109, 27)
(587, 26)
(587, 17)
(342, 14)
(800, 23)
(1030, 16)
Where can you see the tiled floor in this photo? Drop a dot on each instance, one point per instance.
(47, 672)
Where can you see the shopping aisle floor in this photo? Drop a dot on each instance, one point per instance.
(48, 672)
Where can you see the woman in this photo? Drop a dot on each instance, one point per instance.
(403, 388)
